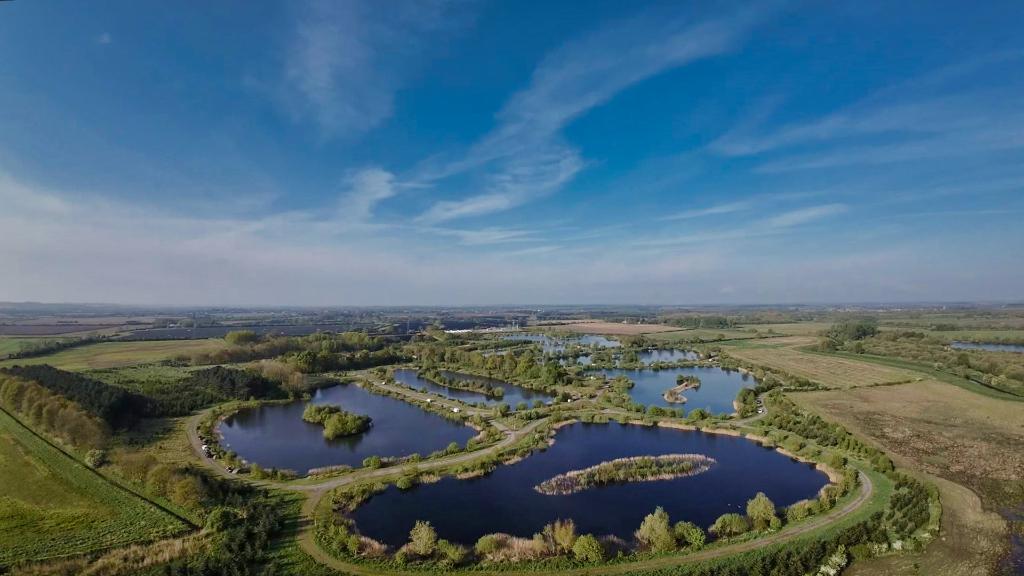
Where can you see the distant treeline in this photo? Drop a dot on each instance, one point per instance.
(711, 321)
(44, 347)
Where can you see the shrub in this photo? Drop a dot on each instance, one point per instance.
(96, 458)
(729, 525)
(451, 554)
(587, 548)
(689, 534)
(563, 534)
(487, 544)
(422, 538)
(761, 511)
(655, 532)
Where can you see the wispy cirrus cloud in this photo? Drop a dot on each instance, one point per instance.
(364, 190)
(939, 114)
(805, 215)
(524, 156)
(346, 60)
(716, 210)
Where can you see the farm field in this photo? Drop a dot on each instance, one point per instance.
(118, 354)
(12, 345)
(832, 371)
(53, 506)
(971, 446)
(704, 334)
(791, 328)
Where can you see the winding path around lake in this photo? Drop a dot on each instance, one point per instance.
(306, 537)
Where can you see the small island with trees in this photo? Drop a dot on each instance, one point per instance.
(684, 382)
(623, 470)
(336, 422)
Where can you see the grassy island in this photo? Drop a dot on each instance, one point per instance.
(622, 470)
(336, 422)
(674, 394)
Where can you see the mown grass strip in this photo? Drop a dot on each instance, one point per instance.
(96, 514)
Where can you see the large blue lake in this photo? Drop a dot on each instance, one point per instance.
(276, 436)
(505, 501)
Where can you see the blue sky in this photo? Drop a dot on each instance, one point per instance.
(362, 152)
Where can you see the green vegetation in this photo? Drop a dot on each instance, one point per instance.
(111, 404)
(53, 506)
(53, 414)
(622, 470)
(465, 383)
(336, 422)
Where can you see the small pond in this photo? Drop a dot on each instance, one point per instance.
(513, 394)
(505, 501)
(991, 347)
(718, 387)
(276, 436)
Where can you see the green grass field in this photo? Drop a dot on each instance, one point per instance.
(118, 354)
(53, 506)
(13, 344)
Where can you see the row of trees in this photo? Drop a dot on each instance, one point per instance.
(116, 406)
(53, 413)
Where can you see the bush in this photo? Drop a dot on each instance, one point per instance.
(451, 554)
(96, 458)
(587, 548)
(689, 534)
(372, 462)
(655, 532)
(422, 538)
(729, 525)
(761, 511)
(487, 544)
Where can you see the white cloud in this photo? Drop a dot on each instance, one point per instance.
(62, 246)
(566, 84)
(365, 189)
(805, 215)
(716, 210)
(521, 179)
(924, 118)
(347, 59)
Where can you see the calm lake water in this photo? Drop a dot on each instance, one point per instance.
(718, 387)
(989, 347)
(277, 437)
(504, 501)
(513, 394)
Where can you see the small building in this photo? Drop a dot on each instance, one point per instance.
(456, 410)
